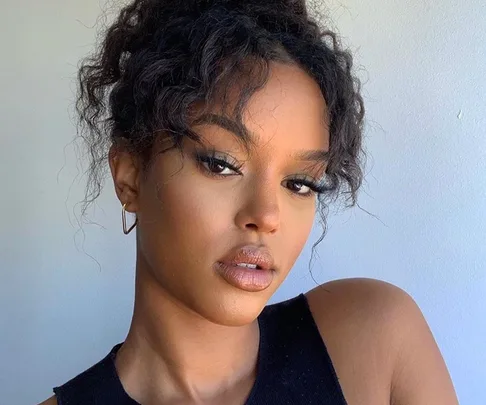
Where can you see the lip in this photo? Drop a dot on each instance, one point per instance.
(245, 278)
(251, 254)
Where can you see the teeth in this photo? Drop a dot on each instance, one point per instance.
(251, 266)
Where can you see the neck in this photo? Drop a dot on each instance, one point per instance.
(173, 354)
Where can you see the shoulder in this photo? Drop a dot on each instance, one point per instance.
(50, 401)
(354, 292)
(361, 301)
(366, 311)
(359, 320)
(380, 343)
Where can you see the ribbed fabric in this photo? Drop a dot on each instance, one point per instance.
(294, 367)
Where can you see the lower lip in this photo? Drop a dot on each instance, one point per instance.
(252, 280)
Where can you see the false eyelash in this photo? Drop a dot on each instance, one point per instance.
(202, 158)
(315, 187)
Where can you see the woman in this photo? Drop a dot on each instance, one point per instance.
(229, 124)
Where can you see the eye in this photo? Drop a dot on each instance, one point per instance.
(299, 187)
(305, 187)
(219, 167)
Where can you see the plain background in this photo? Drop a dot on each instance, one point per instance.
(66, 291)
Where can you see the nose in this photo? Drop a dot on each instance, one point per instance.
(259, 210)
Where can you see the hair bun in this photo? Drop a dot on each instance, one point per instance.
(297, 6)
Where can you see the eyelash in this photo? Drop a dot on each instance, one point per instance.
(314, 187)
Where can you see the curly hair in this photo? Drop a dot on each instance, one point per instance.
(160, 58)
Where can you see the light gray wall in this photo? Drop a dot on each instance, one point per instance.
(425, 85)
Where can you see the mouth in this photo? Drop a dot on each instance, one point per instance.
(249, 268)
(247, 278)
(250, 256)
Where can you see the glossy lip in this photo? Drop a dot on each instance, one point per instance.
(245, 278)
(250, 254)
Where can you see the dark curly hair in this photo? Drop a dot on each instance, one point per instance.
(160, 58)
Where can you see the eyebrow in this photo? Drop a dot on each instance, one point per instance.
(314, 155)
(317, 156)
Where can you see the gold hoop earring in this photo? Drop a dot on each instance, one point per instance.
(124, 221)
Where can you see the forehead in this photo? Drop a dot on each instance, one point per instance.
(292, 106)
(288, 113)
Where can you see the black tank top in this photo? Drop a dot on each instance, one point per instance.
(294, 367)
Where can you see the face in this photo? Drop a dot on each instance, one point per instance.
(193, 210)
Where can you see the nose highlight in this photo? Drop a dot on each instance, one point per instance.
(260, 210)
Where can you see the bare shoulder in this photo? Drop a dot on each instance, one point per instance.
(50, 401)
(357, 319)
(380, 344)
(349, 305)
(358, 297)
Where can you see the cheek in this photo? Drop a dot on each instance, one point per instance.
(194, 211)
(295, 233)
(184, 220)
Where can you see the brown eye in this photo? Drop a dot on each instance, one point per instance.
(305, 188)
(298, 186)
(217, 166)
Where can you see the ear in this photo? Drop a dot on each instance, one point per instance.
(125, 170)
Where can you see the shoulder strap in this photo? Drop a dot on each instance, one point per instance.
(296, 367)
(98, 385)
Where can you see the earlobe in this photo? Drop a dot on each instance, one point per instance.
(125, 173)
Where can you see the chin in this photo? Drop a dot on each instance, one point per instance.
(235, 307)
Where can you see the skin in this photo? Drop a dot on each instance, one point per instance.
(193, 337)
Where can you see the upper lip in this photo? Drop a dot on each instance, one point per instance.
(250, 254)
